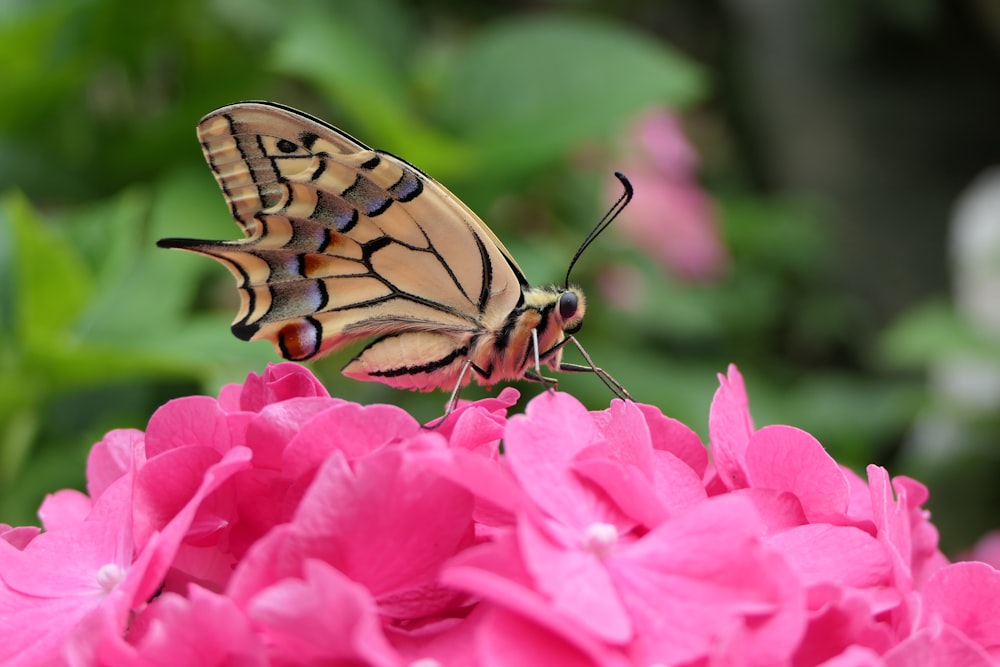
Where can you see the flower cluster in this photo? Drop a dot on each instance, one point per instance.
(279, 526)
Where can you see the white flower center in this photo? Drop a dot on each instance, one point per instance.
(109, 576)
(600, 539)
(425, 662)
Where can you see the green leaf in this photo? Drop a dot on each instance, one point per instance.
(52, 283)
(532, 89)
(41, 60)
(933, 332)
(18, 425)
(149, 288)
(343, 53)
(776, 234)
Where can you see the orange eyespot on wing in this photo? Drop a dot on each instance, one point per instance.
(300, 339)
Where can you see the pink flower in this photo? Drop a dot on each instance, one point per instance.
(670, 216)
(987, 549)
(198, 629)
(277, 525)
(70, 589)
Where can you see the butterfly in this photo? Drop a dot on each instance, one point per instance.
(344, 242)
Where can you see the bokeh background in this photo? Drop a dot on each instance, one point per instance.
(817, 202)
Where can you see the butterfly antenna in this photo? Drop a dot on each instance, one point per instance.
(602, 224)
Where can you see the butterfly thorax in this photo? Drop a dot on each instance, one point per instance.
(545, 315)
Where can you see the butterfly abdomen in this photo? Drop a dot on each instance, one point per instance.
(417, 360)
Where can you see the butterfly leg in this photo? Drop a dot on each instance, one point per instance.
(614, 385)
(535, 374)
(453, 399)
(550, 383)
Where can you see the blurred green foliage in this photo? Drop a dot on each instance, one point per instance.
(98, 159)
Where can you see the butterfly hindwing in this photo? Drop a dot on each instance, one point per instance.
(345, 242)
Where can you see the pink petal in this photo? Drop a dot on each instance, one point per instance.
(626, 436)
(540, 447)
(926, 558)
(161, 549)
(350, 428)
(65, 563)
(643, 482)
(64, 509)
(508, 640)
(730, 427)
(670, 215)
(778, 510)
(855, 656)
(630, 490)
(670, 435)
(967, 597)
(816, 553)
(577, 583)
(687, 582)
(34, 630)
(264, 499)
(186, 422)
(18, 536)
(270, 493)
(426, 516)
(323, 618)
(202, 629)
(450, 641)
(347, 518)
(893, 526)
(279, 382)
(844, 623)
(785, 458)
(277, 424)
(494, 572)
(167, 483)
(498, 496)
(859, 507)
(676, 484)
(938, 645)
(478, 425)
(112, 457)
(230, 397)
(61, 578)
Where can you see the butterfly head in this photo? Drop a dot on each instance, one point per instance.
(570, 309)
(557, 309)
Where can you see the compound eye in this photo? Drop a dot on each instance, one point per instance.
(568, 305)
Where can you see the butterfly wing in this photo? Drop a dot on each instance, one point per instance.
(345, 242)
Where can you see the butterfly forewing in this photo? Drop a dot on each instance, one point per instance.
(345, 242)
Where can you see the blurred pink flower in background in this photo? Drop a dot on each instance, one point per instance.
(276, 525)
(987, 549)
(670, 216)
